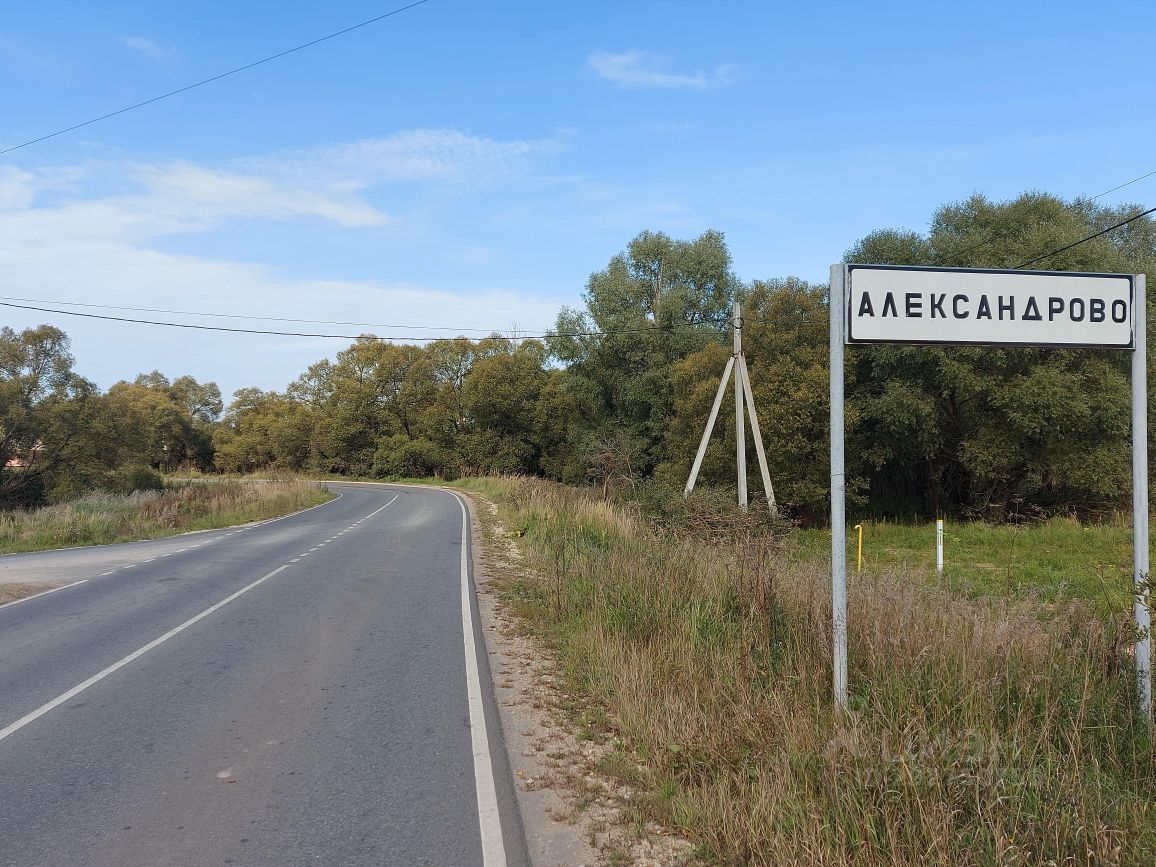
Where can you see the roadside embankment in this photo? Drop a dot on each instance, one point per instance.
(100, 519)
(982, 730)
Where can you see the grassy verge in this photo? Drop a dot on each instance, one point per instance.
(1049, 561)
(978, 734)
(100, 519)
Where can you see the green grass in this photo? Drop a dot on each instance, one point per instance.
(101, 519)
(1049, 561)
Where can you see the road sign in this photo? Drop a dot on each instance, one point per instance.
(888, 304)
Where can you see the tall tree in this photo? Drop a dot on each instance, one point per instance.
(653, 305)
(997, 430)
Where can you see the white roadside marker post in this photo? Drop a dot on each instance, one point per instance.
(740, 417)
(939, 545)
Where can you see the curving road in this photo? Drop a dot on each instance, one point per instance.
(310, 690)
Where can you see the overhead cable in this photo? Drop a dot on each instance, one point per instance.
(241, 315)
(993, 234)
(213, 78)
(409, 338)
(1131, 219)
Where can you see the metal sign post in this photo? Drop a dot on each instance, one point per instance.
(1140, 576)
(984, 307)
(838, 493)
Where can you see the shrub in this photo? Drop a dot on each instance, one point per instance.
(129, 480)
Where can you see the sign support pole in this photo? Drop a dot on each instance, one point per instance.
(837, 307)
(1141, 588)
(923, 305)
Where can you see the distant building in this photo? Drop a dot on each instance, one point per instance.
(26, 459)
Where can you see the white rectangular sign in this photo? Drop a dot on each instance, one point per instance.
(893, 304)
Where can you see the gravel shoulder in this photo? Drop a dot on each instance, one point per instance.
(574, 815)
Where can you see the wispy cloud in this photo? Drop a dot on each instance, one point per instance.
(144, 46)
(439, 155)
(643, 69)
(124, 232)
(209, 195)
(333, 183)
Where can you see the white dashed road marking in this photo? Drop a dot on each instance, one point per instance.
(12, 728)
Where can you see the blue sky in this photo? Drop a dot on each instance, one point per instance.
(469, 164)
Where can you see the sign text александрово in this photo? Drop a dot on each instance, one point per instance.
(887, 304)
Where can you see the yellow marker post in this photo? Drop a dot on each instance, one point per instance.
(859, 556)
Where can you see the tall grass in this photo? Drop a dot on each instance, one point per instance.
(102, 518)
(979, 733)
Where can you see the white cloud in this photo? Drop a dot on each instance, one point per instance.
(643, 69)
(163, 199)
(98, 232)
(180, 197)
(128, 275)
(442, 155)
(210, 195)
(18, 188)
(144, 46)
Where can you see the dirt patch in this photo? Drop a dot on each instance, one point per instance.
(10, 592)
(574, 814)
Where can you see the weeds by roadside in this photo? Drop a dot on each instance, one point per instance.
(980, 733)
(103, 518)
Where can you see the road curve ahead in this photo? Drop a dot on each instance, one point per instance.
(310, 690)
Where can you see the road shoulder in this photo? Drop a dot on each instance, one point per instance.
(573, 815)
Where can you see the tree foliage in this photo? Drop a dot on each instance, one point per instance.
(621, 390)
(998, 430)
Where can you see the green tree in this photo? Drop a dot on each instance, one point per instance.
(45, 408)
(991, 429)
(373, 390)
(263, 430)
(509, 429)
(654, 304)
(785, 339)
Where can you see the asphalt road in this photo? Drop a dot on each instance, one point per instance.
(311, 690)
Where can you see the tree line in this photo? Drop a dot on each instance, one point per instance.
(619, 392)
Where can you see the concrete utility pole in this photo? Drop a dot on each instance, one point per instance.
(744, 398)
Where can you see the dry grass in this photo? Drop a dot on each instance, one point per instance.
(980, 732)
(100, 519)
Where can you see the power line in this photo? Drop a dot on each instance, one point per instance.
(1125, 184)
(210, 80)
(1088, 238)
(991, 236)
(400, 338)
(242, 316)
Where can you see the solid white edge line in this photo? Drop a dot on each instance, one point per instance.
(12, 728)
(489, 819)
(43, 593)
